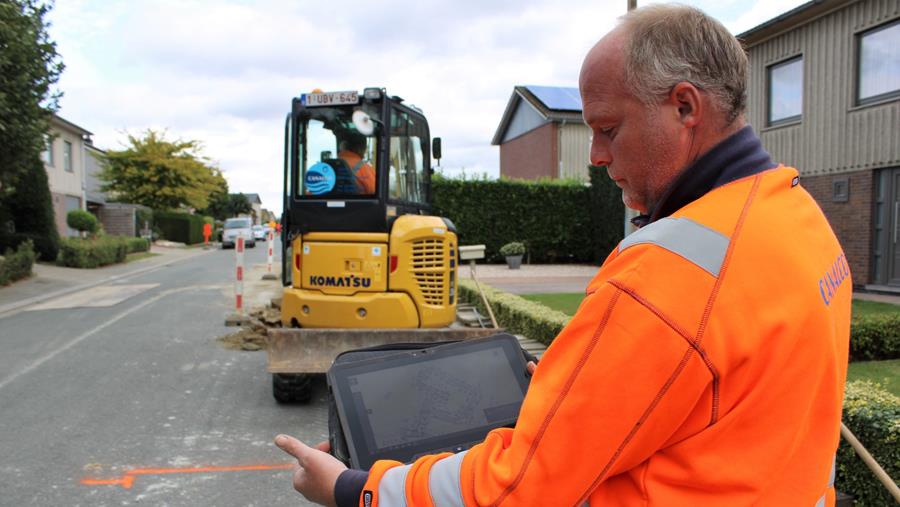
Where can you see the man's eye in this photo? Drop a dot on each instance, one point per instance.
(607, 132)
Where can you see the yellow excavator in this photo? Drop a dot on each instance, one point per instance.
(364, 262)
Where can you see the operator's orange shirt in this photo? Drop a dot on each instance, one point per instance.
(705, 367)
(364, 173)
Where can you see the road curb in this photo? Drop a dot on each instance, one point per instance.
(18, 305)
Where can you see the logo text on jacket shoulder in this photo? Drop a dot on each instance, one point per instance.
(828, 284)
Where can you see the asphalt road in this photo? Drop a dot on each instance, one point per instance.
(132, 401)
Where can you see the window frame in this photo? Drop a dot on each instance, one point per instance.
(68, 154)
(48, 152)
(423, 179)
(857, 82)
(788, 120)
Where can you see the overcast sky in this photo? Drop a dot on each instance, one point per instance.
(224, 71)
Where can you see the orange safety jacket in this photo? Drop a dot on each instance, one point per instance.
(706, 366)
(362, 170)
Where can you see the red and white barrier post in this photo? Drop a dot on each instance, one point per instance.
(270, 237)
(239, 281)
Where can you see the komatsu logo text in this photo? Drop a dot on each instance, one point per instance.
(340, 281)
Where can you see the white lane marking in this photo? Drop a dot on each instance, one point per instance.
(95, 297)
(75, 341)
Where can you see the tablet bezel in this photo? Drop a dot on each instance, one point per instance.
(352, 423)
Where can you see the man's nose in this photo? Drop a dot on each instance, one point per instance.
(600, 152)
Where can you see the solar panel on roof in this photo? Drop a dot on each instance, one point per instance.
(557, 97)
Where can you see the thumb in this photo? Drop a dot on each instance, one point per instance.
(293, 447)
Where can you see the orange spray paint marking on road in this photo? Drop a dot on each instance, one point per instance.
(127, 480)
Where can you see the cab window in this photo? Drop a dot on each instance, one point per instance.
(336, 160)
(407, 173)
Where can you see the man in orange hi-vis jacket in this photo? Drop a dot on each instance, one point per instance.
(706, 364)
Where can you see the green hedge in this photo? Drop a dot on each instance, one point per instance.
(16, 264)
(875, 337)
(515, 314)
(870, 412)
(136, 244)
(180, 227)
(556, 219)
(873, 415)
(46, 247)
(92, 253)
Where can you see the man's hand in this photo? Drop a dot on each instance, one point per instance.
(530, 367)
(316, 471)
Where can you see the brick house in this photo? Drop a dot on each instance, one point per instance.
(824, 95)
(542, 134)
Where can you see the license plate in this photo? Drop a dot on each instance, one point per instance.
(329, 99)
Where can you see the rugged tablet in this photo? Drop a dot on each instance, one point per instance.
(428, 400)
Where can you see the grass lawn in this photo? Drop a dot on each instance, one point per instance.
(139, 255)
(886, 373)
(861, 308)
(566, 302)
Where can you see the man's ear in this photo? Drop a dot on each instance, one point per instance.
(688, 100)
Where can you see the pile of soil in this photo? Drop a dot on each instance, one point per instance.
(252, 335)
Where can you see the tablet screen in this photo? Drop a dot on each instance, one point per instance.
(436, 397)
(409, 404)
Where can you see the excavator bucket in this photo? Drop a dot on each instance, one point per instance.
(312, 350)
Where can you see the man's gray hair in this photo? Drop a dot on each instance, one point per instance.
(669, 44)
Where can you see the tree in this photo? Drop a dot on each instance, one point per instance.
(160, 174)
(30, 210)
(29, 66)
(222, 206)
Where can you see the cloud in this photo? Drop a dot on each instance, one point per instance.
(224, 72)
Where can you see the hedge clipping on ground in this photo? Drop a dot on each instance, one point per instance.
(873, 415)
(16, 264)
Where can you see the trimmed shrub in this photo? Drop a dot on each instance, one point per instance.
(180, 227)
(873, 415)
(136, 244)
(92, 253)
(82, 221)
(514, 248)
(875, 337)
(515, 314)
(17, 264)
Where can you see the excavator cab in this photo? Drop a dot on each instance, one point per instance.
(361, 249)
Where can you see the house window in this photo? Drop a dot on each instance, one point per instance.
(67, 156)
(47, 154)
(879, 63)
(786, 91)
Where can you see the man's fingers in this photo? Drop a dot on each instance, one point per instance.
(292, 446)
(530, 367)
(324, 446)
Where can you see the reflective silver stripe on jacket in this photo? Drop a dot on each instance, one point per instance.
(392, 488)
(821, 502)
(443, 482)
(682, 236)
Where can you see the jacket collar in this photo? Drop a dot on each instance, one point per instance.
(738, 156)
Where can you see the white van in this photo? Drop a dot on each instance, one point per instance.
(235, 227)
